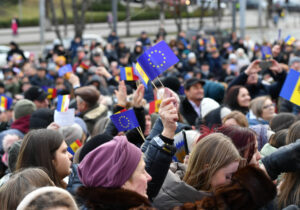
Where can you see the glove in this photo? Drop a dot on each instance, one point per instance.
(285, 159)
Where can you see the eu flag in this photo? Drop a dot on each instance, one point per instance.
(157, 59)
(125, 120)
(64, 69)
(266, 52)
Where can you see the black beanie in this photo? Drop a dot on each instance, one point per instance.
(93, 143)
(41, 118)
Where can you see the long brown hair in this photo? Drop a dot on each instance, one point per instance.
(290, 188)
(20, 184)
(38, 150)
(209, 155)
(250, 189)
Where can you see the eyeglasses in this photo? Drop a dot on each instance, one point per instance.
(268, 106)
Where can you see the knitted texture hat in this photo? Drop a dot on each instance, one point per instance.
(23, 107)
(111, 164)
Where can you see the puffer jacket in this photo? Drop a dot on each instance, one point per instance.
(174, 191)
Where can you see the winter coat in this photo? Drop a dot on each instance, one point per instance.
(267, 150)
(92, 115)
(253, 120)
(260, 89)
(190, 115)
(175, 192)
(99, 198)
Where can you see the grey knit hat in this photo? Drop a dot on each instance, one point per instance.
(23, 107)
(13, 153)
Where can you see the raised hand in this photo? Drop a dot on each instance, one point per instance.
(138, 96)
(276, 67)
(169, 115)
(121, 94)
(253, 67)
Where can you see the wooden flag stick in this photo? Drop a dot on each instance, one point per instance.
(154, 85)
(160, 82)
(137, 82)
(140, 132)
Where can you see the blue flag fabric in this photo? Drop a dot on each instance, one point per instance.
(157, 59)
(266, 52)
(125, 120)
(64, 69)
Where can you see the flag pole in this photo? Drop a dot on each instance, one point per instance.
(154, 85)
(140, 132)
(160, 82)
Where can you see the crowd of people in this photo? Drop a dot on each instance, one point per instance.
(222, 137)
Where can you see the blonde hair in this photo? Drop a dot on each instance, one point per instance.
(209, 155)
(290, 188)
(239, 117)
(257, 104)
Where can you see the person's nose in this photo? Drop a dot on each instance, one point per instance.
(149, 178)
(70, 156)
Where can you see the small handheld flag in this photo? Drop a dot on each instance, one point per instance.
(74, 146)
(154, 106)
(63, 103)
(289, 40)
(291, 87)
(127, 73)
(266, 52)
(156, 60)
(141, 74)
(3, 105)
(125, 120)
(52, 93)
(64, 69)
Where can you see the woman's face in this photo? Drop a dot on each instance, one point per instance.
(139, 180)
(62, 161)
(147, 125)
(256, 156)
(268, 110)
(243, 97)
(223, 175)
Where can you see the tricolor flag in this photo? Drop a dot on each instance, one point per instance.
(154, 106)
(289, 40)
(156, 60)
(63, 102)
(74, 146)
(141, 74)
(291, 87)
(52, 93)
(127, 74)
(3, 105)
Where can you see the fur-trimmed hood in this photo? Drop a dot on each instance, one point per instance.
(114, 199)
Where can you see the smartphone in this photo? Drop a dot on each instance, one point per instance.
(265, 64)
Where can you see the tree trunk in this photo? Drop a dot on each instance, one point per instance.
(128, 18)
(177, 15)
(162, 12)
(65, 17)
(79, 19)
(54, 20)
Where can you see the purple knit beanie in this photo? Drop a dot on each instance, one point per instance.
(110, 165)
